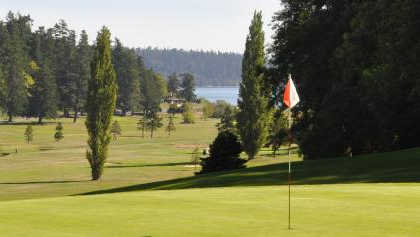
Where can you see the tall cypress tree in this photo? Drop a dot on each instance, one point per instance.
(102, 96)
(253, 115)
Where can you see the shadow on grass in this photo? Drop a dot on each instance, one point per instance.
(395, 167)
(34, 123)
(145, 165)
(49, 182)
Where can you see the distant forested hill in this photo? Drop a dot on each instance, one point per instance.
(209, 68)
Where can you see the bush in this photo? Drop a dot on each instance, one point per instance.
(224, 154)
(219, 108)
(58, 132)
(207, 109)
(188, 116)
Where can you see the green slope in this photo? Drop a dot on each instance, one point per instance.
(373, 195)
(392, 167)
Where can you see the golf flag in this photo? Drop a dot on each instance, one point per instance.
(290, 97)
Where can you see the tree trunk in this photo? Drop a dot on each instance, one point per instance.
(40, 119)
(96, 172)
(10, 117)
(76, 114)
(151, 133)
(66, 113)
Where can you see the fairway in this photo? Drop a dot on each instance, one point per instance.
(148, 189)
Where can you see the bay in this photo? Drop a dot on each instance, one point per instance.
(228, 94)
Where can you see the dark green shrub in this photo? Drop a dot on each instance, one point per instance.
(224, 154)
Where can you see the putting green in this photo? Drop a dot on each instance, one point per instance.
(317, 210)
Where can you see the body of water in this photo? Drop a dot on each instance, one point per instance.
(228, 94)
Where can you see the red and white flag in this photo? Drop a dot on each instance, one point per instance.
(290, 97)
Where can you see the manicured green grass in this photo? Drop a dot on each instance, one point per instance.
(318, 210)
(148, 189)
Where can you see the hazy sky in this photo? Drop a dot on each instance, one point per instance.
(188, 24)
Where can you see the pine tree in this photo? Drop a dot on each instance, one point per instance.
(195, 157)
(83, 55)
(58, 136)
(279, 131)
(188, 87)
(65, 65)
(224, 154)
(29, 136)
(173, 84)
(227, 121)
(15, 60)
(152, 91)
(102, 94)
(252, 117)
(43, 93)
(128, 76)
(115, 130)
(154, 122)
(171, 125)
(141, 125)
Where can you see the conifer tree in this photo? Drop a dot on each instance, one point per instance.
(227, 121)
(141, 125)
(171, 125)
(173, 84)
(195, 157)
(252, 117)
(15, 60)
(188, 87)
(65, 64)
(100, 106)
(58, 136)
(154, 122)
(43, 93)
(83, 55)
(29, 136)
(224, 154)
(116, 130)
(128, 76)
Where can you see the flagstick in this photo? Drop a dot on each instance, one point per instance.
(290, 158)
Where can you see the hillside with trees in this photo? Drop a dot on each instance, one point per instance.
(210, 68)
(44, 72)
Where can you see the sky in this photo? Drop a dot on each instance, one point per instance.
(220, 25)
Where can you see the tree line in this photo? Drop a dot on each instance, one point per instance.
(357, 70)
(210, 68)
(43, 71)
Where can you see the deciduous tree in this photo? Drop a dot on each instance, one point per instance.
(102, 95)
(253, 115)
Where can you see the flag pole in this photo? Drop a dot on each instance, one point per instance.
(290, 99)
(290, 158)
